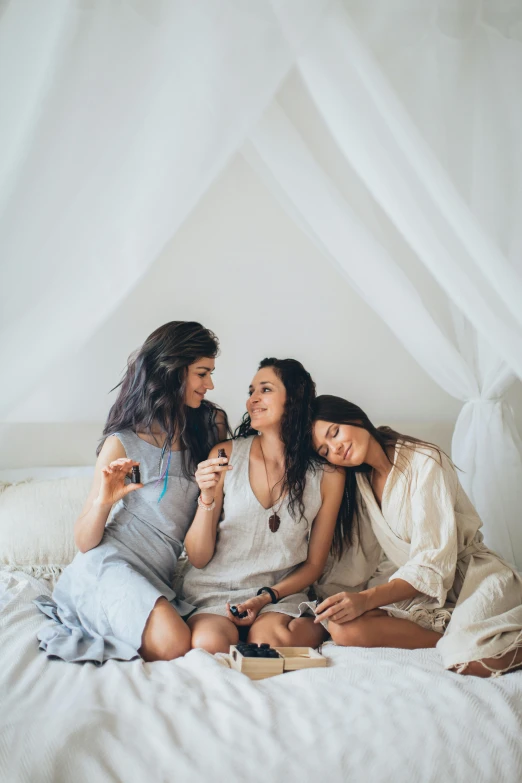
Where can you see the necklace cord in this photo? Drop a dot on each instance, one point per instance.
(268, 482)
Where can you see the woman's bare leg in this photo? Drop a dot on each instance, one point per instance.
(212, 632)
(488, 667)
(281, 630)
(166, 635)
(377, 629)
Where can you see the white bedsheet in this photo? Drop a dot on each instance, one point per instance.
(370, 716)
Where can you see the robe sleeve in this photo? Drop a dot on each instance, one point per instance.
(433, 551)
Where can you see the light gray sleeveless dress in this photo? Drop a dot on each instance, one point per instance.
(103, 599)
(248, 555)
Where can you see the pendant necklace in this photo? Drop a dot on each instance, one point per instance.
(274, 520)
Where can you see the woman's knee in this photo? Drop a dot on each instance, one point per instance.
(286, 631)
(166, 636)
(213, 641)
(213, 634)
(166, 644)
(276, 635)
(352, 634)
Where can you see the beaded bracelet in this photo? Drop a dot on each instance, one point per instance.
(204, 506)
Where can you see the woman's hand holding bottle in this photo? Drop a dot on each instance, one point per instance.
(208, 476)
(113, 487)
(250, 608)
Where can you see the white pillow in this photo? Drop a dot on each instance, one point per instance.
(37, 527)
(14, 475)
(37, 523)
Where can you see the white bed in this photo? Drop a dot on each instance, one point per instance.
(370, 716)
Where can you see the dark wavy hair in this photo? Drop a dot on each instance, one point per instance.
(337, 410)
(153, 391)
(296, 428)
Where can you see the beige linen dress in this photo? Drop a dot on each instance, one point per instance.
(430, 530)
(248, 555)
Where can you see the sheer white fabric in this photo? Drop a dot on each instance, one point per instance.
(484, 445)
(384, 146)
(116, 117)
(279, 154)
(457, 69)
(373, 131)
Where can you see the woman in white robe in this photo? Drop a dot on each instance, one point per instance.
(448, 590)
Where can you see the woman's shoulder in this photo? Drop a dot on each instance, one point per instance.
(122, 437)
(128, 438)
(111, 449)
(242, 439)
(419, 453)
(241, 445)
(124, 432)
(325, 469)
(425, 461)
(331, 476)
(325, 477)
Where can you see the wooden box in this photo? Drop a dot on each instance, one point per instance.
(301, 658)
(291, 659)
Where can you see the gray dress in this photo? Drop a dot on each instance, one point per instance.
(102, 600)
(248, 555)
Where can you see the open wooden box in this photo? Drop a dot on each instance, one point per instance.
(290, 659)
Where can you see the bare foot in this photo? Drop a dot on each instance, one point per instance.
(493, 667)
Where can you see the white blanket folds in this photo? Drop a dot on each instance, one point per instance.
(370, 716)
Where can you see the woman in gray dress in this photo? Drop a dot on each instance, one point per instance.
(115, 600)
(265, 521)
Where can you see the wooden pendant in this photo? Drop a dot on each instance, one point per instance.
(274, 522)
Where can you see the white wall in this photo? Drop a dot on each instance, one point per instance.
(241, 267)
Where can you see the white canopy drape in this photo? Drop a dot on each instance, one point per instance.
(120, 115)
(116, 117)
(374, 133)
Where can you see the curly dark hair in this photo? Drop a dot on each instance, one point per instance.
(153, 391)
(296, 428)
(329, 408)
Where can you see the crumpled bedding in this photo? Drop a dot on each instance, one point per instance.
(370, 716)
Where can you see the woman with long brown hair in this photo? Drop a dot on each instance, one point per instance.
(116, 599)
(449, 590)
(266, 520)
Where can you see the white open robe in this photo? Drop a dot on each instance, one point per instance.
(430, 530)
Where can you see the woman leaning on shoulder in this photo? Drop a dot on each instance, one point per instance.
(449, 590)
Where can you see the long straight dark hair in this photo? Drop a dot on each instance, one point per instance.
(296, 428)
(152, 390)
(337, 410)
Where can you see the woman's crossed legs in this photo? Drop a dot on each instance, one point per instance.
(216, 633)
